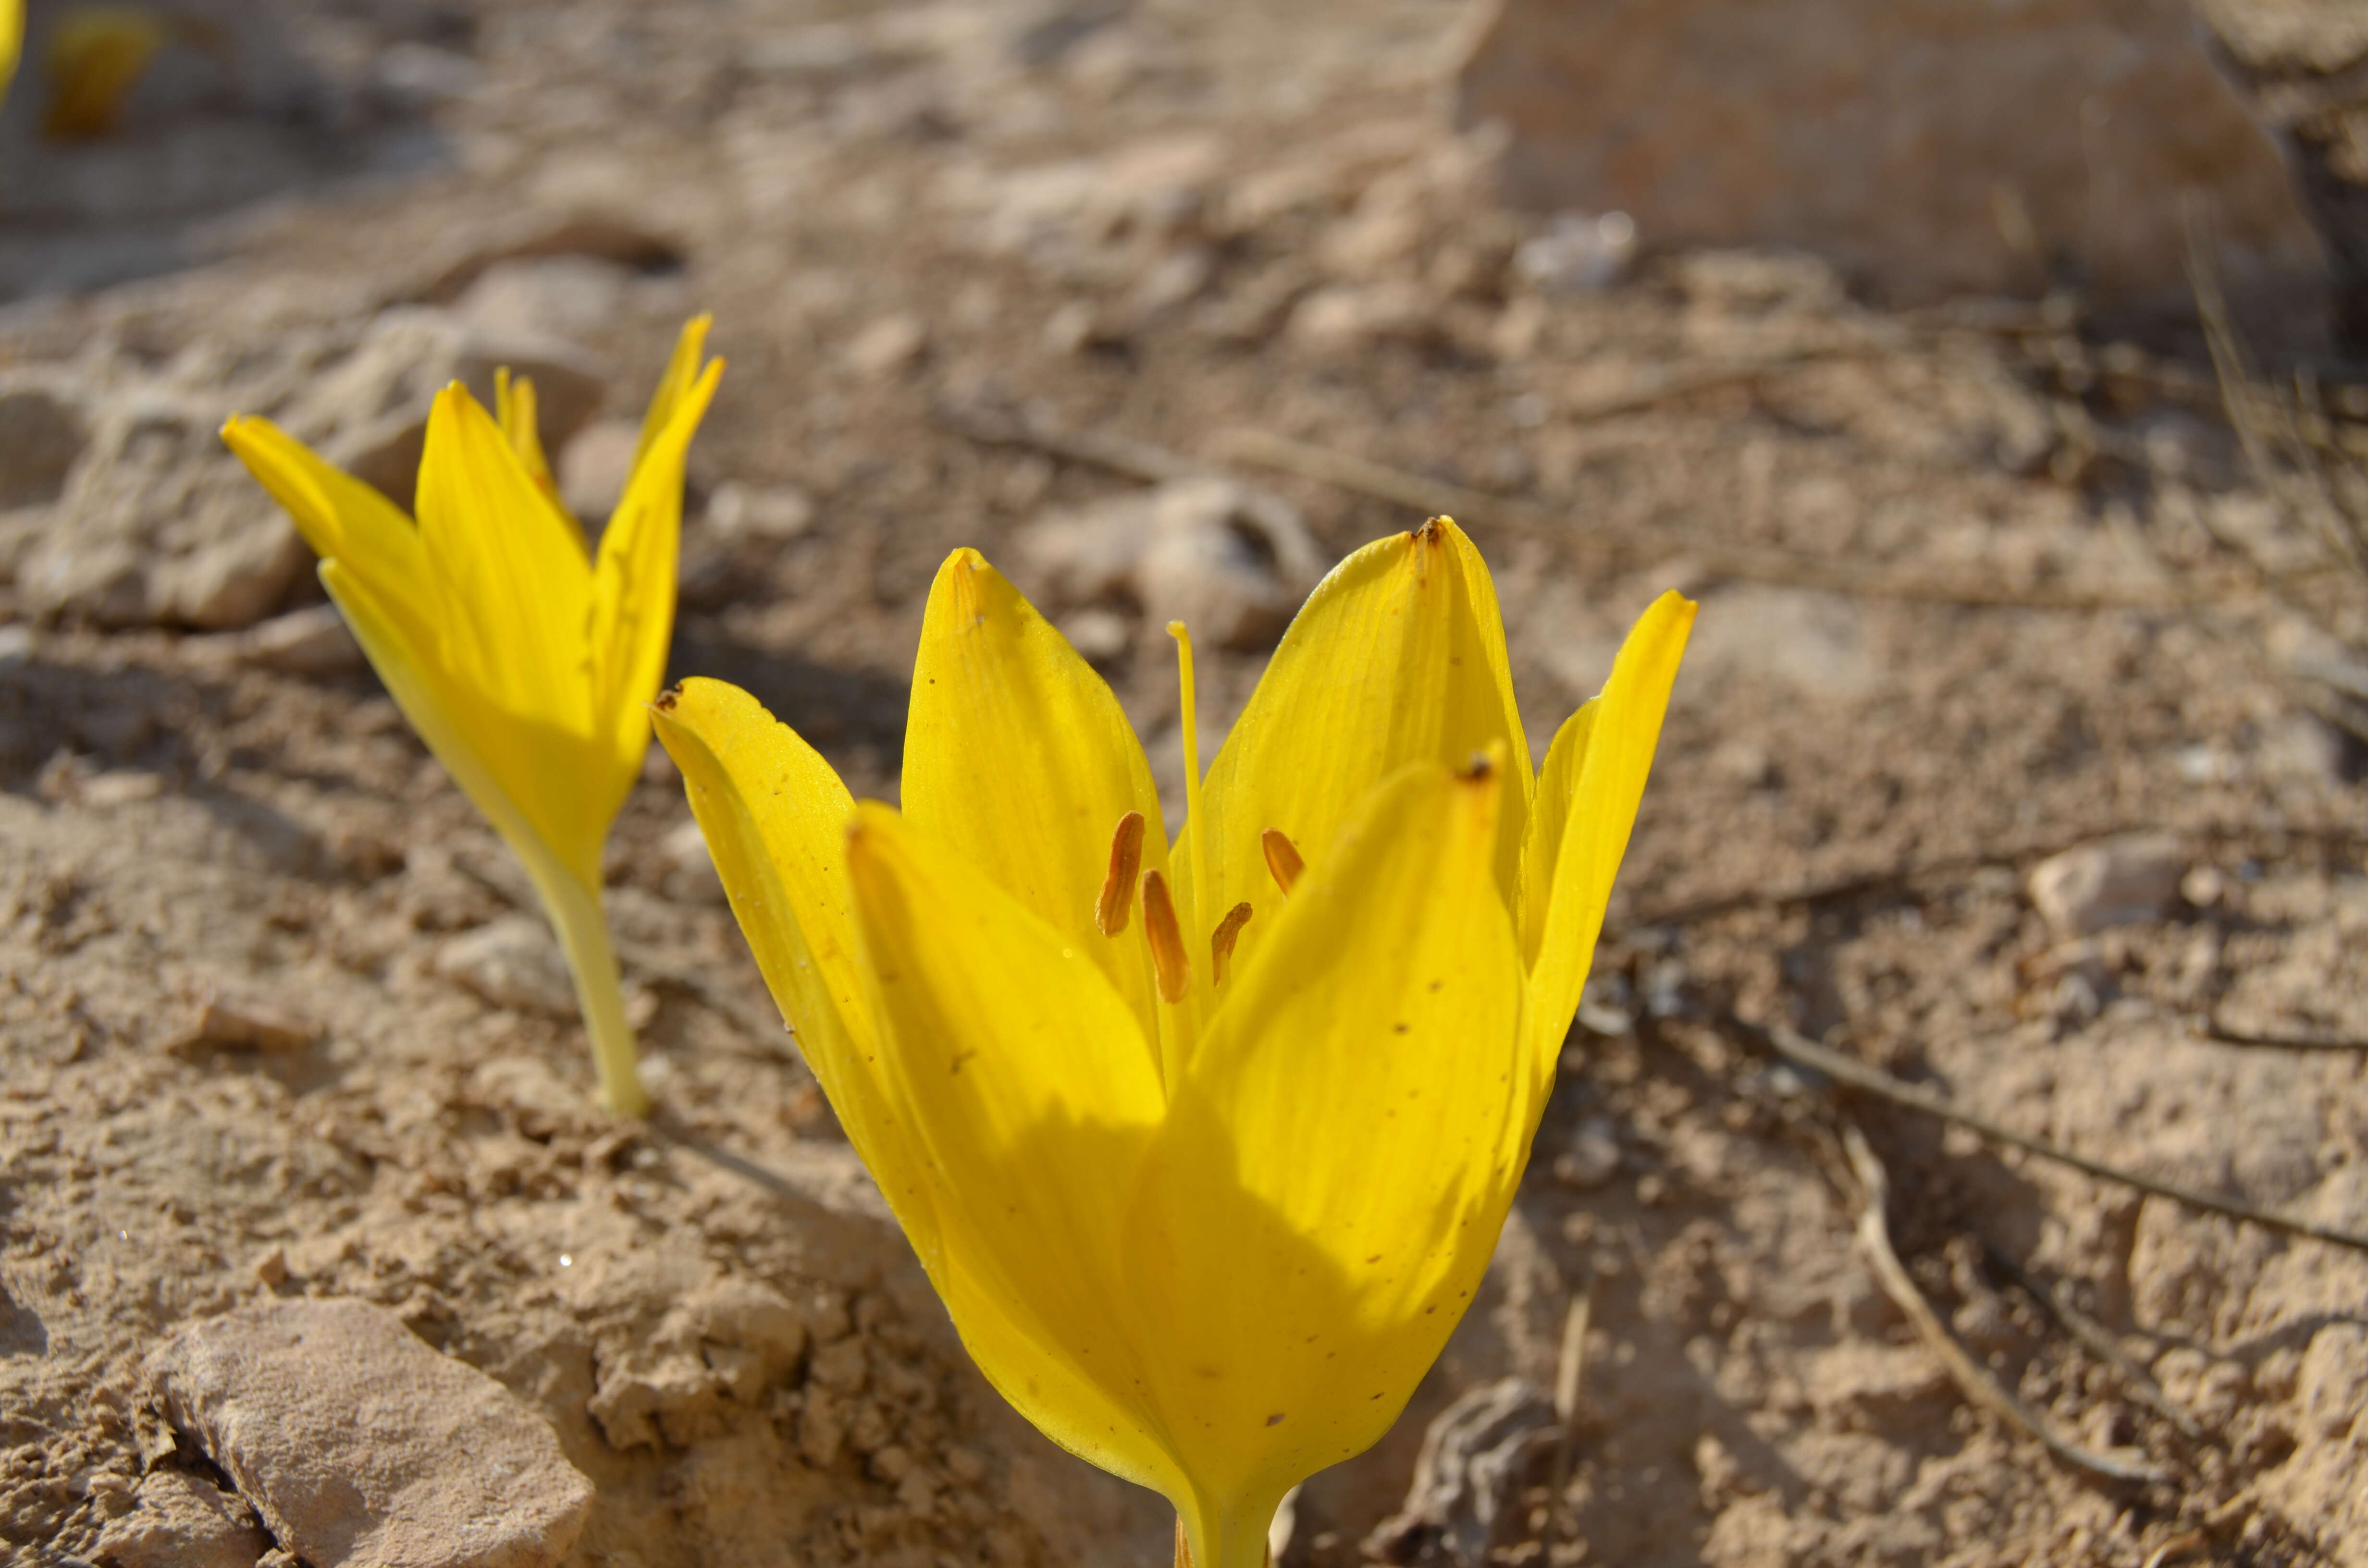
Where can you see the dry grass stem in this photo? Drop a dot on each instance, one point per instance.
(1793, 1045)
(1874, 1237)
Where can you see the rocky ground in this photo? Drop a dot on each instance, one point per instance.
(2011, 757)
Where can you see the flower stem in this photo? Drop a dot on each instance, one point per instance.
(583, 929)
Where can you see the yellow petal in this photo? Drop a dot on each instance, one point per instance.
(1397, 657)
(1031, 1097)
(539, 787)
(515, 411)
(513, 586)
(96, 55)
(634, 578)
(12, 41)
(1017, 757)
(341, 517)
(682, 374)
(775, 817)
(1336, 1161)
(1587, 802)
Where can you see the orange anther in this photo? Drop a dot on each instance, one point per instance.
(1117, 897)
(1220, 944)
(1168, 959)
(1281, 858)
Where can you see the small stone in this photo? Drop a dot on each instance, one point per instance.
(689, 875)
(271, 1269)
(2127, 880)
(512, 962)
(179, 1521)
(362, 1447)
(314, 641)
(888, 346)
(1097, 635)
(1593, 1157)
(595, 467)
(772, 512)
(1230, 562)
(243, 1025)
(563, 296)
(120, 787)
(1346, 319)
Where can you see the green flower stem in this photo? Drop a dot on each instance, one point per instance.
(583, 927)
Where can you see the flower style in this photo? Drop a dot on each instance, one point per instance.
(523, 658)
(1205, 1147)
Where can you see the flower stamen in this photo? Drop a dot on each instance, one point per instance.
(1116, 900)
(1169, 962)
(1281, 859)
(1220, 944)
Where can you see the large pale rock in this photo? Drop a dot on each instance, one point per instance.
(1930, 146)
(2304, 64)
(362, 1447)
(157, 523)
(370, 412)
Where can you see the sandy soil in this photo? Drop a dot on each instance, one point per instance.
(921, 224)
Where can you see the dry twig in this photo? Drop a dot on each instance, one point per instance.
(2099, 1340)
(1570, 1371)
(1793, 1045)
(1874, 1236)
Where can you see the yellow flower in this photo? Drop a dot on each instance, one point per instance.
(1205, 1147)
(12, 41)
(95, 57)
(525, 661)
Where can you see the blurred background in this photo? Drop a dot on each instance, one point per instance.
(1991, 371)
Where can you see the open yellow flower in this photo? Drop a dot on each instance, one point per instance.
(526, 661)
(1205, 1147)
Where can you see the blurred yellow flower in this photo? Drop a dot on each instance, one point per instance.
(1205, 1147)
(94, 57)
(526, 661)
(12, 41)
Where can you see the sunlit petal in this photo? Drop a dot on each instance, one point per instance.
(514, 586)
(1397, 657)
(1033, 1109)
(634, 576)
(1588, 796)
(1330, 1180)
(1017, 757)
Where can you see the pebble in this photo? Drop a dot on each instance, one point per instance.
(2127, 880)
(1593, 1157)
(690, 866)
(179, 1521)
(770, 512)
(512, 962)
(1230, 562)
(888, 346)
(595, 468)
(246, 1026)
(363, 1448)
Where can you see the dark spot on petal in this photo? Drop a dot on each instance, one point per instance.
(1275, 1420)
